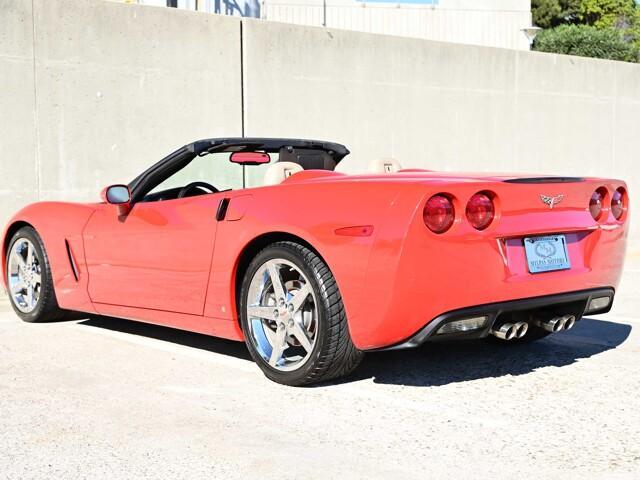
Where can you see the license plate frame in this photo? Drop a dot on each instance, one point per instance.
(547, 253)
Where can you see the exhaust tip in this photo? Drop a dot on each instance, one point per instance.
(558, 326)
(551, 325)
(506, 331)
(569, 322)
(521, 329)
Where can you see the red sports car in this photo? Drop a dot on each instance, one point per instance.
(262, 240)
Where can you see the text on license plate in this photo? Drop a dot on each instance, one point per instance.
(545, 254)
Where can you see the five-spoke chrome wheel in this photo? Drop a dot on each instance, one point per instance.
(24, 275)
(282, 313)
(293, 318)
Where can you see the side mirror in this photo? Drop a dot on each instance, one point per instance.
(250, 158)
(118, 195)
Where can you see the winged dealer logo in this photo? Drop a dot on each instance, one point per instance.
(552, 201)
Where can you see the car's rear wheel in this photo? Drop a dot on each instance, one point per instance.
(29, 279)
(293, 317)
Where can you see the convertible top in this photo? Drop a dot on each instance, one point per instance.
(309, 154)
(270, 145)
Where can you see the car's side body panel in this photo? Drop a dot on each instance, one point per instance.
(393, 281)
(157, 257)
(60, 225)
(313, 213)
(193, 323)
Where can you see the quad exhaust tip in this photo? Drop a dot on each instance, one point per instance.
(557, 324)
(511, 331)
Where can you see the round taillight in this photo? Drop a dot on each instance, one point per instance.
(595, 204)
(480, 211)
(438, 214)
(619, 203)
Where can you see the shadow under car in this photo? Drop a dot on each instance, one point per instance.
(433, 364)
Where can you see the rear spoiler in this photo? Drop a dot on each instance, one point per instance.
(545, 180)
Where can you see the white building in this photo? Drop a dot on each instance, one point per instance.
(496, 23)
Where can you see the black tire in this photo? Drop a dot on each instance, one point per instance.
(334, 354)
(47, 309)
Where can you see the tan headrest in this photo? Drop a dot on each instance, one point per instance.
(384, 165)
(279, 171)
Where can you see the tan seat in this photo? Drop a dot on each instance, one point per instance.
(279, 171)
(384, 165)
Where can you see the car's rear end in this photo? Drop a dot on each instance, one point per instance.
(512, 257)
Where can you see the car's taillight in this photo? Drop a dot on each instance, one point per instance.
(438, 213)
(595, 204)
(619, 203)
(480, 211)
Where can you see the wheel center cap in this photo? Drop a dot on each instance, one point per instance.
(280, 313)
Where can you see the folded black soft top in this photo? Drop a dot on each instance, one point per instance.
(269, 145)
(310, 154)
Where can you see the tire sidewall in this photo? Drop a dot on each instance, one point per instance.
(45, 283)
(294, 377)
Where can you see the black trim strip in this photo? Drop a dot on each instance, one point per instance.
(546, 180)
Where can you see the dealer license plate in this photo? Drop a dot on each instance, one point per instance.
(546, 254)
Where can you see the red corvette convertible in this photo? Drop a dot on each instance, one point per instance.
(262, 240)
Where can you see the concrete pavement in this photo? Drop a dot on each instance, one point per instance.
(109, 398)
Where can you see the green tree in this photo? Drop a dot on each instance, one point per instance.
(633, 33)
(587, 41)
(551, 13)
(608, 13)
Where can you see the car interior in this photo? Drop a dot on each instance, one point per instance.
(285, 163)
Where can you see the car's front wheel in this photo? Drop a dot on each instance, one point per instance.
(29, 278)
(293, 317)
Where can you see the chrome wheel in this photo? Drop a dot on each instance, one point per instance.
(24, 275)
(282, 314)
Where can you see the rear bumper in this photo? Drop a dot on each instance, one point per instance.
(431, 276)
(494, 310)
(414, 275)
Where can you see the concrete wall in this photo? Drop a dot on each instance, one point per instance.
(443, 106)
(92, 92)
(111, 89)
(18, 171)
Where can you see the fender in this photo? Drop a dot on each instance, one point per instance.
(315, 223)
(59, 224)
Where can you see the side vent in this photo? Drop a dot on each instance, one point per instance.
(72, 261)
(222, 209)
